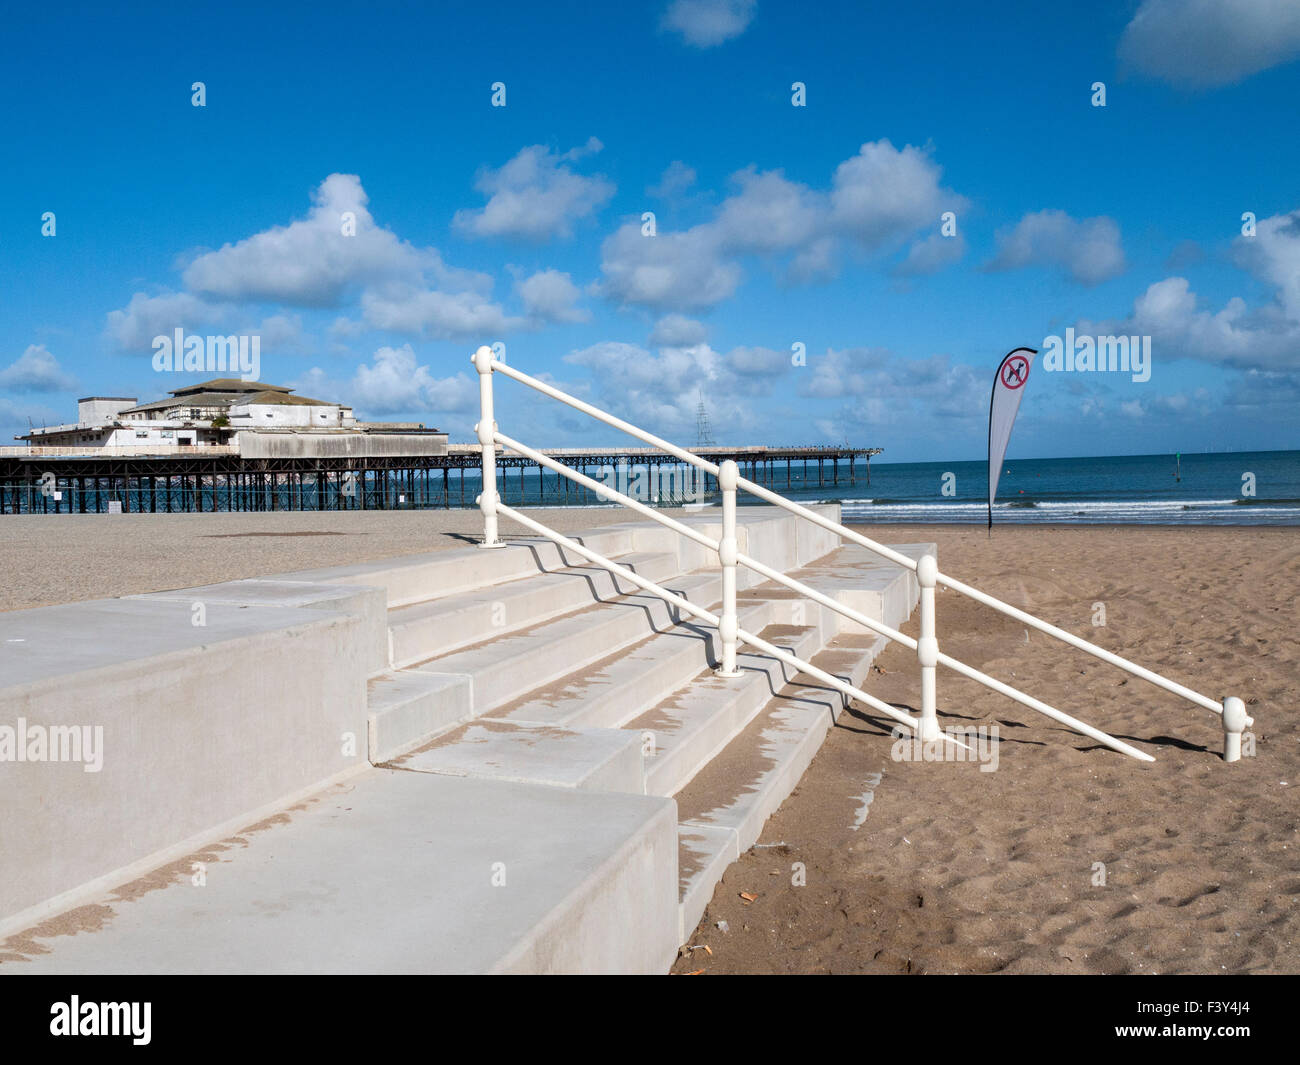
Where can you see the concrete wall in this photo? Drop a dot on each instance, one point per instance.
(96, 410)
(288, 415)
(199, 726)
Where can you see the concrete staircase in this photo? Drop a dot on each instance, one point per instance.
(555, 780)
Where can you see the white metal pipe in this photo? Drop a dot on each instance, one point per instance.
(728, 473)
(826, 601)
(1082, 644)
(1235, 721)
(704, 615)
(484, 356)
(596, 486)
(942, 659)
(488, 499)
(608, 419)
(927, 648)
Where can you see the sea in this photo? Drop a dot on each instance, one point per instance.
(1216, 488)
(1219, 488)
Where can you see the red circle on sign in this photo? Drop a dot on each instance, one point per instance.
(1015, 372)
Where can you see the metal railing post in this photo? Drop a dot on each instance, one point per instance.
(728, 626)
(927, 648)
(1235, 721)
(488, 498)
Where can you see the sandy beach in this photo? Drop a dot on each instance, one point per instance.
(954, 870)
(1067, 858)
(69, 557)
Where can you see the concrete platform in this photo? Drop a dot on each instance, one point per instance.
(395, 874)
(595, 759)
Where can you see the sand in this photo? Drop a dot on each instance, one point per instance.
(64, 558)
(951, 869)
(957, 870)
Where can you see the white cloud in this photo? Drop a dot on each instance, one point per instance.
(280, 332)
(1262, 340)
(674, 182)
(551, 296)
(1087, 250)
(931, 254)
(395, 382)
(145, 317)
(768, 214)
(669, 271)
(310, 262)
(882, 388)
(428, 312)
(884, 194)
(535, 196)
(678, 331)
(1169, 313)
(706, 23)
(36, 370)
(661, 390)
(1273, 255)
(876, 200)
(1210, 42)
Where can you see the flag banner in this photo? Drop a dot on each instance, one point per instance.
(1008, 388)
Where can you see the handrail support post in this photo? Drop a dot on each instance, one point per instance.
(1235, 722)
(728, 625)
(927, 648)
(488, 498)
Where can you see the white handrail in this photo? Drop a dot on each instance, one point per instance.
(688, 607)
(1231, 710)
(696, 460)
(728, 644)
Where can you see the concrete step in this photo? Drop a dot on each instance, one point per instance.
(690, 727)
(598, 759)
(398, 872)
(856, 577)
(723, 809)
(450, 622)
(415, 578)
(510, 666)
(611, 691)
(405, 707)
(658, 752)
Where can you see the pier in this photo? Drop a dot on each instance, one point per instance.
(220, 478)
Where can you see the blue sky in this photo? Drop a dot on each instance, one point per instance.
(775, 225)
